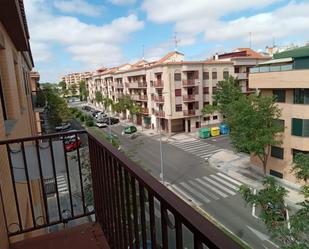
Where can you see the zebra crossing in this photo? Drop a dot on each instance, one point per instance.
(206, 189)
(62, 184)
(196, 147)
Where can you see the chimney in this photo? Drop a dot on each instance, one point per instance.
(216, 57)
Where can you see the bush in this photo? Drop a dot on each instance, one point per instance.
(89, 123)
(82, 118)
(88, 118)
(78, 114)
(73, 110)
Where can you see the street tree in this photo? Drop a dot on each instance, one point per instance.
(253, 127)
(227, 92)
(98, 97)
(83, 93)
(107, 102)
(62, 85)
(73, 89)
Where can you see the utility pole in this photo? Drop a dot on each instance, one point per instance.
(176, 41)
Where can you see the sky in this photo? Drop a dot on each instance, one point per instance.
(82, 35)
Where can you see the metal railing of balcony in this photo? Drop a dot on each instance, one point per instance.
(134, 209)
(142, 84)
(190, 82)
(158, 98)
(189, 112)
(158, 84)
(46, 174)
(189, 97)
(272, 68)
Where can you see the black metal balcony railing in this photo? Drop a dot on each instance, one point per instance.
(132, 208)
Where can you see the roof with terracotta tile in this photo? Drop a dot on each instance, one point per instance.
(167, 56)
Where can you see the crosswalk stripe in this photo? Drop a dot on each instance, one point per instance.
(184, 195)
(188, 147)
(208, 152)
(230, 179)
(204, 190)
(200, 148)
(193, 191)
(220, 186)
(212, 188)
(224, 182)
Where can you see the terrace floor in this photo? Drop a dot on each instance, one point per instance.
(88, 236)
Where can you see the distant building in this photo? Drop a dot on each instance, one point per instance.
(75, 78)
(286, 77)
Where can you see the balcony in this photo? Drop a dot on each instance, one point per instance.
(142, 84)
(145, 111)
(158, 99)
(119, 85)
(189, 113)
(158, 84)
(142, 97)
(38, 100)
(271, 68)
(132, 209)
(242, 76)
(189, 82)
(159, 114)
(188, 98)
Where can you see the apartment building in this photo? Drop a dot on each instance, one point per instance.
(286, 77)
(75, 78)
(243, 59)
(171, 92)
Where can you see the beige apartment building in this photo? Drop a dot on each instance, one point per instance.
(17, 118)
(286, 77)
(171, 92)
(75, 78)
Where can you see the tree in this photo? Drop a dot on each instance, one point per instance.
(253, 130)
(226, 93)
(107, 102)
(62, 85)
(98, 97)
(73, 89)
(301, 166)
(83, 93)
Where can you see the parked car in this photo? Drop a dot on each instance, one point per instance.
(114, 121)
(71, 143)
(129, 129)
(94, 113)
(100, 124)
(100, 115)
(63, 127)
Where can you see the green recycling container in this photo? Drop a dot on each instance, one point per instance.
(204, 133)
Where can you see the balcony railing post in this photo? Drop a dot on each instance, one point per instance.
(178, 233)
(143, 218)
(128, 206)
(135, 218)
(152, 221)
(164, 227)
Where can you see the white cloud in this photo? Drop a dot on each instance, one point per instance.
(205, 17)
(91, 45)
(78, 7)
(122, 2)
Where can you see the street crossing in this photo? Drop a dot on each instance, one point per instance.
(201, 149)
(206, 189)
(62, 184)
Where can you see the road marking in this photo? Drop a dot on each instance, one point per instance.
(224, 195)
(209, 152)
(224, 182)
(212, 188)
(193, 191)
(220, 186)
(62, 184)
(184, 195)
(230, 179)
(204, 190)
(262, 236)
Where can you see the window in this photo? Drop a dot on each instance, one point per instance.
(205, 103)
(214, 89)
(300, 127)
(177, 92)
(177, 76)
(205, 75)
(215, 117)
(280, 123)
(301, 96)
(279, 95)
(225, 74)
(236, 69)
(196, 106)
(277, 152)
(205, 90)
(214, 75)
(294, 152)
(179, 108)
(4, 113)
(206, 118)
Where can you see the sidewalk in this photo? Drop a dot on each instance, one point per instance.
(238, 166)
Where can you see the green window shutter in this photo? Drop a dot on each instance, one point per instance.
(306, 128)
(277, 152)
(297, 127)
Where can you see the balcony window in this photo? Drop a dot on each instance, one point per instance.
(277, 152)
(177, 92)
(295, 151)
(300, 127)
(205, 75)
(177, 76)
(214, 75)
(301, 96)
(225, 74)
(279, 95)
(178, 108)
(205, 90)
(215, 117)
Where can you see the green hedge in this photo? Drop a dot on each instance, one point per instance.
(89, 123)
(82, 118)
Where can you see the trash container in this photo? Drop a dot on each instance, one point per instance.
(224, 129)
(215, 131)
(204, 133)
